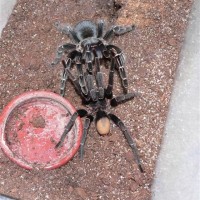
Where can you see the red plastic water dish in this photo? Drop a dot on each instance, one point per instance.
(32, 124)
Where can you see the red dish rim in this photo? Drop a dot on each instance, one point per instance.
(20, 99)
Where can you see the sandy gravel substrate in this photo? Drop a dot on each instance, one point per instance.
(108, 171)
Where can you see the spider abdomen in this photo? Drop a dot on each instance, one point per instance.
(102, 122)
(103, 126)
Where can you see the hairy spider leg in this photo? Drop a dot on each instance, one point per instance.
(98, 53)
(92, 51)
(100, 27)
(128, 137)
(89, 57)
(109, 88)
(87, 123)
(92, 90)
(97, 64)
(100, 85)
(99, 79)
(98, 50)
(101, 49)
(61, 49)
(66, 29)
(122, 98)
(73, 55)
(67, 65)
(117, 31)
(95, 93)
(119, 65)
(78, 113)
(75, 82)
(82, 81)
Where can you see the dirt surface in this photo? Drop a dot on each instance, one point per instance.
(108, 170)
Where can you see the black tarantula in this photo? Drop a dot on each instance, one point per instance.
(91, 47)
(96, 102)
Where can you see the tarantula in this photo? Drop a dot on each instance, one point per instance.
(90, 48)
(96, 102)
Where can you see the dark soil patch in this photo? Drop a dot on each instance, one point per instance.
(108, 170)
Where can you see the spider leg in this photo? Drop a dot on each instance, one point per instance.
(97, 64)
(92, 90)
(100, 27)
(89, 57)
(82, 80)
(61, 49)
(120, 61)
(128, 137)
(117, 30)
(101, 49)
(87, 123)
(109, 88)
(75, 83)
(99, 79)
(67, 65)
(80, 113)
(100, 85)
(99, 53)
(122, 98)
(120, 30)
(95, 93)
(109, 35)
(64, 28)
